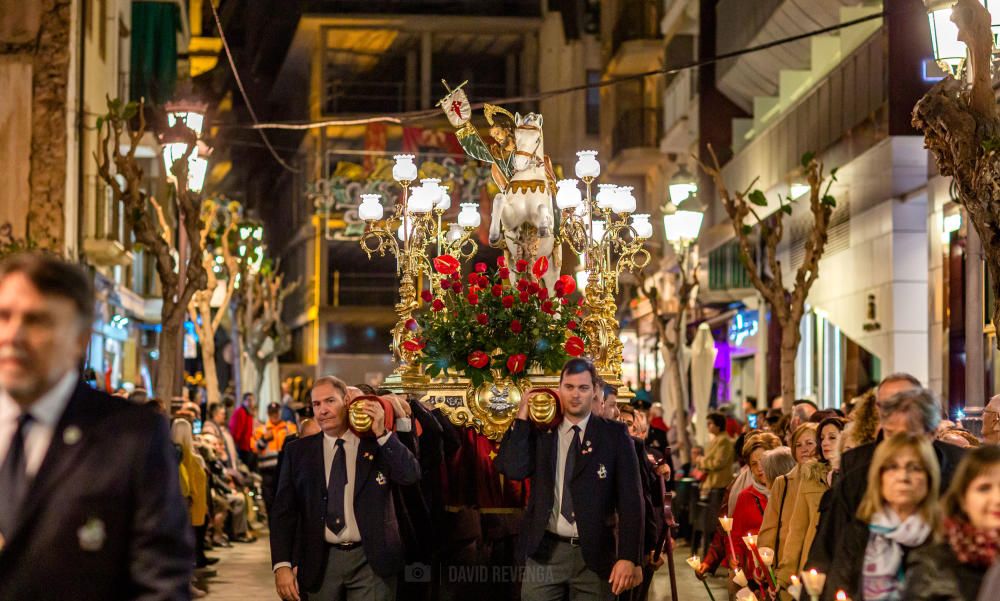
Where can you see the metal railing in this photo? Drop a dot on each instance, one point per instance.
(637, 128)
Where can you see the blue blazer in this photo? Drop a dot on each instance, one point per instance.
(607, 495)
(298, 518)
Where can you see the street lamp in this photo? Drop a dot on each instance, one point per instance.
(682, 223)
(949, 52)
(190, 113)
(682, 185)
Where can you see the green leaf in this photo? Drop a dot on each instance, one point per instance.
(131, 109)
(833, 173)
(100, 122)
(747, 230)
(757, 197)
(829, 201)
(786, 209)
(807, 158)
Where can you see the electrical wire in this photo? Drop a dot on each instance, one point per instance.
(415, 116)
(243, 92)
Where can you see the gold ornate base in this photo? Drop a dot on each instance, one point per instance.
(489, 409)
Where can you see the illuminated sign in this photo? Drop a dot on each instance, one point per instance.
(743, 326)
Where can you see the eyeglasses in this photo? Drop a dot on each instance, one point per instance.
(911, 469)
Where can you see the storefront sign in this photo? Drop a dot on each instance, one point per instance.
(743, 326)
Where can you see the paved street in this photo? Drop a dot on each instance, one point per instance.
(244, 574)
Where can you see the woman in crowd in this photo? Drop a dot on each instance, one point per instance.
(776, 530)
(752, 501)
(828, 440)
(952, 568)
(896, 516)
(777, 462)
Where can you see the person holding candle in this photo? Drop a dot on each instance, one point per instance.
(752, 501)
(896, 516)
(953, 568)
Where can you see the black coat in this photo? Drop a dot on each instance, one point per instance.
(298, 519)
(933, 573)
(119, 475)
(608, 507)
(840, 503)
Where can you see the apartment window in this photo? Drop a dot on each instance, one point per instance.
(593, 108)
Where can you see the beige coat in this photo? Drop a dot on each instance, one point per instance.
(718, 462)
(802, 490)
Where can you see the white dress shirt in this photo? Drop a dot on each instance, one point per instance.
(351, 533)
(557, 523)
(45, 413)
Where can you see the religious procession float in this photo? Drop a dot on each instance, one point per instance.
(471, 338)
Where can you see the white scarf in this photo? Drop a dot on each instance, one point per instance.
(888, 535)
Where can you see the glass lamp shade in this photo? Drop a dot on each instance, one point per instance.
(469, 215)
(682, 185)
(689, 224)
(643, 228)
(401, 233)
(197, 170)
(567, 194)
(371, 208)
(404, 170)
(444, 199)
(586, 164)
(421, 200)
(624, 202)
(606, 195)
(598, 230)
(670, 228)
(454, 234)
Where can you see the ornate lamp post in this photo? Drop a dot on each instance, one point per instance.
(610, 240)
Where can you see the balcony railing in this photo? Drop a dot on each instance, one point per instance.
(638, 128)
(638, 20)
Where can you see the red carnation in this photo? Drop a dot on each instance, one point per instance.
(483, 282)
(533, 288)
(520, 266)
(456, 276)
(507, 301)
(473, 278)
(504, 273)
(426, 295)
(579, 313)
(446, 264)
(473, 298)
(540, 267)
(497, 290)
(579, 303)
(522, 285)
(411, 324)
(574, 346)
(571, 325)
(564, 301)
(456, 286)
(482, 319)
(517, 363)
(515, 326)
(438, 304)
(543, 293)
(547, 307)
(481, 267)
(501, 261)
(524, 296)
(478, 359)
(413, 345)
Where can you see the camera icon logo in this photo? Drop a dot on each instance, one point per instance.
(417, 572)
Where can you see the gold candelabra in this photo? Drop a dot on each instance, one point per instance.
(599, 229)
(415, 229)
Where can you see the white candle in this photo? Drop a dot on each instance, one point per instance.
(739, 577)
(727, 523)
(750, 540)
(766, 555)
(814, 581)
(694, 561)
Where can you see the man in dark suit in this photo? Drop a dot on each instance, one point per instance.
(583, 527)
(911, 409)
(90, 506)
(333, 516)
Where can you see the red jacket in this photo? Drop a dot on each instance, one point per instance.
(241, 427)
(747, 517)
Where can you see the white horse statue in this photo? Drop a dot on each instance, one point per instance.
(523, 213)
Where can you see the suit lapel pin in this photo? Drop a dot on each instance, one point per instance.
(602, 472)
(72, 435)
(92, 535)
(367, 455)
(380, 479)
(587, 449)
